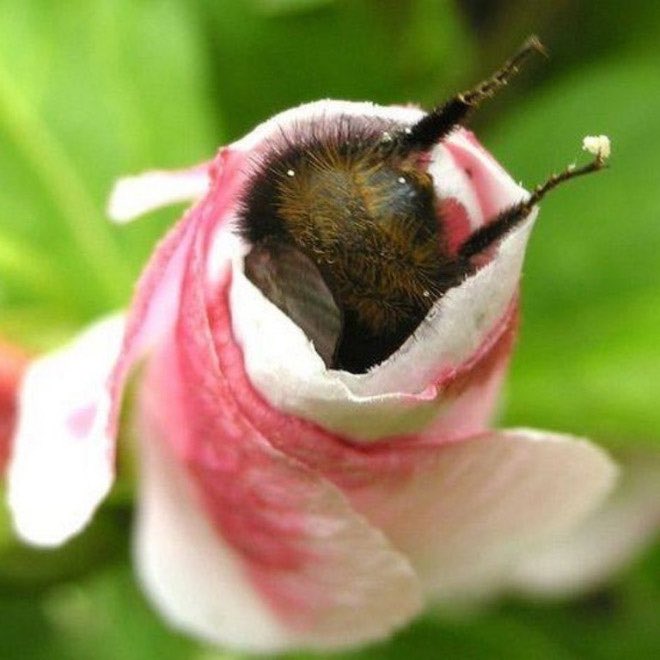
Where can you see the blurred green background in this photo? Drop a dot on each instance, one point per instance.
(92, 89)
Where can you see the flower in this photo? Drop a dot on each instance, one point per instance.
(12, 363)
(284, 504)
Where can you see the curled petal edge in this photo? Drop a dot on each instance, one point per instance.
(134, 196)
(471, 510)
(204, 586)
(583, 558)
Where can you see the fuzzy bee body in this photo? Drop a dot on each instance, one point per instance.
(347, 231)
(370, 226)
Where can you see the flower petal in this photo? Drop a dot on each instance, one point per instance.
(310, 572)
(62, 461)
(134, 196)
(463, 511)
(406, 391)
(605, 543)
(13, 363)
(325, 578)
(467, 511)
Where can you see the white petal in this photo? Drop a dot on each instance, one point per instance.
(202, 587)
(471, 508)
(327, 108)
(63, 459)
(606, 542)
(134, 196)
(290, 374)
(397, 396)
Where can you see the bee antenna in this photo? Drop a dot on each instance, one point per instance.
(487, 235)
(441, 120)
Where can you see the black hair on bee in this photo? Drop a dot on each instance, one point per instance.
(346, 227)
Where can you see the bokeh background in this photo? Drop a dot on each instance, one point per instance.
(92, 89)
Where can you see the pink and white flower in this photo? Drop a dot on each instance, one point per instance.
(283, 504)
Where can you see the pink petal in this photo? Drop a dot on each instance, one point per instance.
(12, 365)
(62, 461)
(235, 444)
(462, 512)
(156, 304)
(605, 543)
(134, 196)
(64, 456)
(325, 579)
(466, 512)
(404, 394)
(490, 183)
(281, 559)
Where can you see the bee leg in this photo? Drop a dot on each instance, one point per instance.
(493, 231)
(441, 120)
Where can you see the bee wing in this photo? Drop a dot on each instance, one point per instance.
(293, 283)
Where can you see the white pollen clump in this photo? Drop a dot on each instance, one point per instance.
(598, 145)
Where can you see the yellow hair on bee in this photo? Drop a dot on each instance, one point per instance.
(359, 219)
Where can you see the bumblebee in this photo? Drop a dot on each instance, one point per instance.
(346, 230)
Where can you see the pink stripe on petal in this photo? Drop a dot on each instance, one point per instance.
(456, 223)
(155, 306)
(494, 187)
(13, 363)
(327, 577)
(63, 464)
(461, 511)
